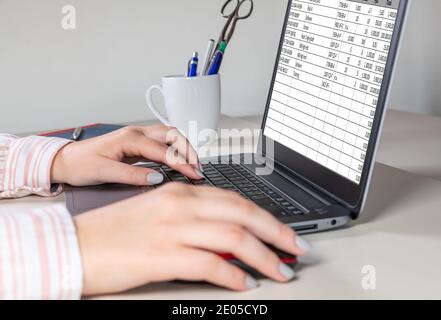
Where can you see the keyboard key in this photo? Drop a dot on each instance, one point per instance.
(226, 186)
(199, 182)
(258, 197)
(228, 171)
(218, 183)
(245, 185)
(219, 180)
(274, 209)
(253, 193)
(264, 201)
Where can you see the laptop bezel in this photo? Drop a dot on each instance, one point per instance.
(336, 186)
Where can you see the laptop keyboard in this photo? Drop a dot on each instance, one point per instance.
(235, 177)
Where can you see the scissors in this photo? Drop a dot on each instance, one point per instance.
(233, 14)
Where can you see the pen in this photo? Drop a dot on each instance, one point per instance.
(208, 56)
(77, 134)
(193, 65)
(217, 59)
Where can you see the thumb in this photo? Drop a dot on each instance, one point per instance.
(118, 172)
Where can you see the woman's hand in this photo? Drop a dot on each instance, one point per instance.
(171, 234)
(108, 159)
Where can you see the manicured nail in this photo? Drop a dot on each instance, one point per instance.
(199, 173)
(251, 283)
(304, 245)
(155, 178)
(286, 271)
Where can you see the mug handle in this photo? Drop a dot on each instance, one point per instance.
(152, 106)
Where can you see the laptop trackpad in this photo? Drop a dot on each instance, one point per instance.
(80, 200)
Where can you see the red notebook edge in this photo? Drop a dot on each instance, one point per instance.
(68, 130)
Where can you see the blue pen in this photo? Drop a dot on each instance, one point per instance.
(217, 59)
(193, 65)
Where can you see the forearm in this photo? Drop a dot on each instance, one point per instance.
(25, 165)
(39, 255)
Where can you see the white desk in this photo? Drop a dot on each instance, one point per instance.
(399, 234)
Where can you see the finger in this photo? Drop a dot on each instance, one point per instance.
(236, 209)
(117, 172)
(225, 237)
(172, 136)
(153, 150)
(198, 265)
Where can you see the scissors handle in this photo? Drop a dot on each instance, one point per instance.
(232, 18)
(236, 11)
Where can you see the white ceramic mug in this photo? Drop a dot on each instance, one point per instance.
(189, 103)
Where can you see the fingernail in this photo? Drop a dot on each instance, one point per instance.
(199, 173)
(154, 178)
(201, 167)
(286, 271)
(304, 245)
(251, 283)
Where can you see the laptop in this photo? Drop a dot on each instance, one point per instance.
(322, 124)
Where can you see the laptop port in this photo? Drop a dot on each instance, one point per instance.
(309, 227)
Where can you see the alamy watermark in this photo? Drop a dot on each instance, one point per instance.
(369, 277)
(69, 17)
(213, 143)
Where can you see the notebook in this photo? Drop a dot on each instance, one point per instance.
(90, 131)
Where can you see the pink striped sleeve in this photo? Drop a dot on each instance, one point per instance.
(39, 255)
(25, 165)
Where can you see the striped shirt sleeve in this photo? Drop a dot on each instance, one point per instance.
(39, 252)
(39, 255)
(25, 165)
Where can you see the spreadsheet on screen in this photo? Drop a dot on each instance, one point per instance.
(328, 81)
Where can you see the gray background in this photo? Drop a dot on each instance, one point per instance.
(53, 78)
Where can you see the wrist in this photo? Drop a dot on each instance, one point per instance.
(59, 167)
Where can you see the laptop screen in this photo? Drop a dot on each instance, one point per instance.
(330, 71)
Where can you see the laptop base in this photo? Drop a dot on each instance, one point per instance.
(287, 200)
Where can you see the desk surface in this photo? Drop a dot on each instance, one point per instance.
(399, 233)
